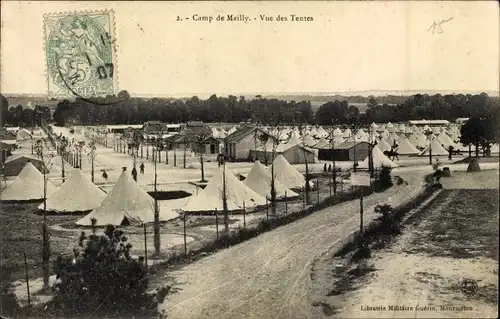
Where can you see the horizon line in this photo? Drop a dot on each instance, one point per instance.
(363, 93)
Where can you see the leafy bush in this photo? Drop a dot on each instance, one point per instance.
(102, 279)
(384, 179)
(386, 214)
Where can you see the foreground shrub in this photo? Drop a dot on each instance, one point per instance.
(386, 215)
(102, 279)
(384, 179)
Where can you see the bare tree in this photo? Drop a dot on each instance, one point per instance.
(224, 198)
(430, 137)
(264, 139)
(92, 153)
(79, 147)
(200, 142)
(255, 142)
(41, 150)
(334, 168)
(157, 146)
(63, 149)
(276, 142)
(307, 187)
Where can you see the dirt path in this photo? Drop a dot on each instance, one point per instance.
(269, 276)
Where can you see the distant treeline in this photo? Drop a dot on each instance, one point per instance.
(124, 109)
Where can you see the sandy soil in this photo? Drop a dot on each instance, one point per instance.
(269, 276)
(423, 269)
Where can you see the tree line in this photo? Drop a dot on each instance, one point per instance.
(124, 109)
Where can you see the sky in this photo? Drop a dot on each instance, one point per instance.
(349, 46)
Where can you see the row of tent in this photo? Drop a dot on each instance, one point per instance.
(318, 132)
(127, 203)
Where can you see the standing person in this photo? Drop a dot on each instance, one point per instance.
(142, 168)
(324, 168)
(134, 174)
(105, 175)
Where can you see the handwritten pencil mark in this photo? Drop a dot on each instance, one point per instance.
(436, 27)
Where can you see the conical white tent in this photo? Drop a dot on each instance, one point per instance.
(414, 141)
(238, 195)
(259, 180)
(313, 131)
(27, 186)
(347, 133)
(383, 145)
(323, 143)
(126, 202)
(337, 132)
(360, 134)
(445, 140)
(436, 148)
(287, 174)
(321, 132)
(406, 148)
(385, 134)
(294, 139)
(337, 140)
(76, 194)
(310, 141)
(390, 141)
(379, 160)
(284, 136)
(374, 126)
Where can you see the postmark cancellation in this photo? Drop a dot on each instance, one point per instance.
(80, 54)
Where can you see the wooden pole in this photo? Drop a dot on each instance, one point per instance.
(286, 204)
(27, 278)
(185, 241)
(145, 246)
(317, 190)
(303, 199)
(267, 210)
(217, 223)
(244, 216)
(361, 217)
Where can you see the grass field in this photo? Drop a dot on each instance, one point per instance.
(466, 228)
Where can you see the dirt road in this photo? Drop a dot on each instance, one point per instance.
(269, 276)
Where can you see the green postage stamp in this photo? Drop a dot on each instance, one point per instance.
(80, 54)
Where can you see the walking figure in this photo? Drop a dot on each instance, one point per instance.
(134, 174)
(324, 168)
(105, 175)
(142, 168)
(330, 168)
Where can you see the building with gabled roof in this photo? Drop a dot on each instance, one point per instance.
(242, 140)
(14, 164)
(347, 151)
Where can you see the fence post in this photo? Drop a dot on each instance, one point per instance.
(145, 246)
(331, 186)
(185, 241)
(267, 210)
(286, 203)
(303, 199)
(217, 223)
(27, 279)
(317, 189)
(244, 217)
